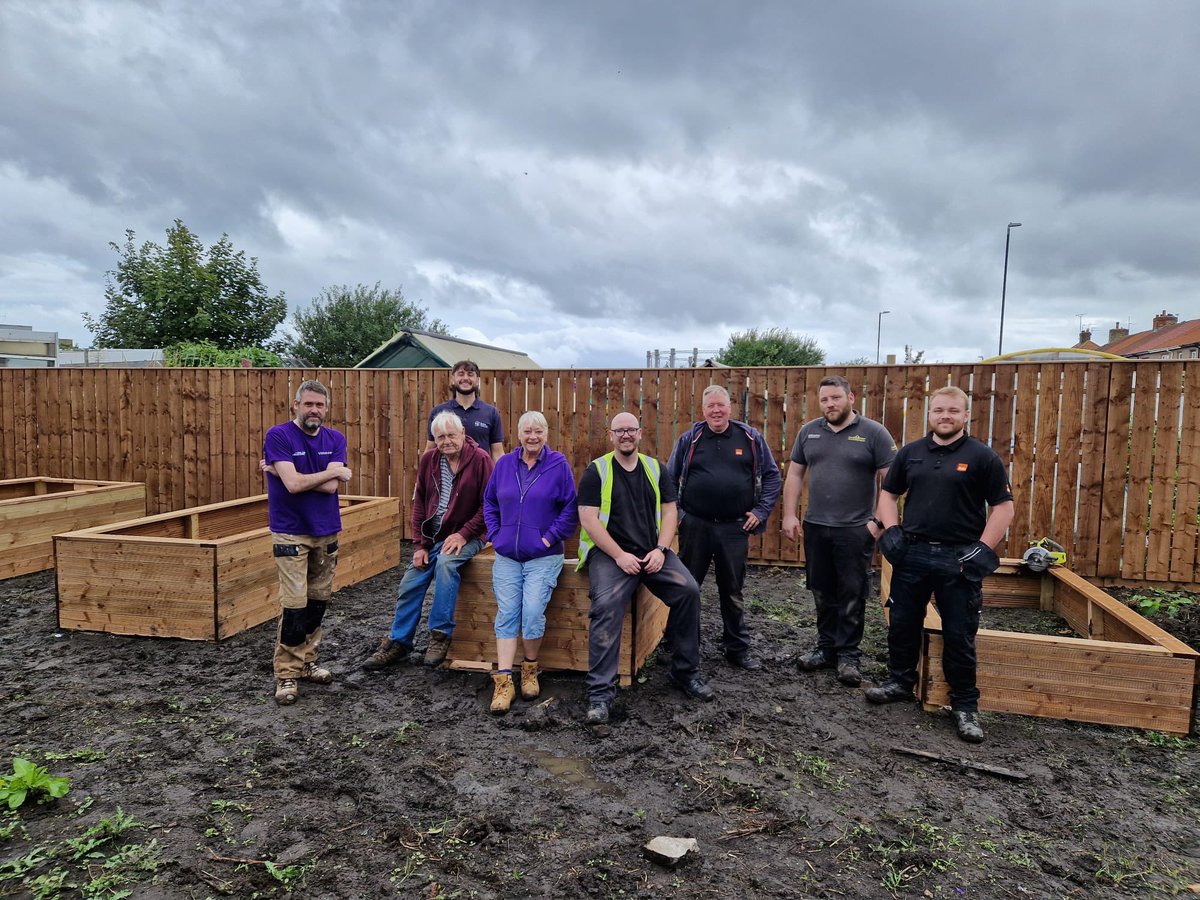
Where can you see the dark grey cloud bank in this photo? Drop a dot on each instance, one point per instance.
(585, 182)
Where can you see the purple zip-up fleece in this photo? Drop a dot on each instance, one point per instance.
(523, 505)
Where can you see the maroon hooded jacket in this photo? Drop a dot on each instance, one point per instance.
(465, 512)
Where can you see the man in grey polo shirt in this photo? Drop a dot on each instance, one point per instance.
(844, 455)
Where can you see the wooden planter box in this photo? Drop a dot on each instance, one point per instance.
(565, 646)
(1121, 670)
(204, 573)
(33, 510)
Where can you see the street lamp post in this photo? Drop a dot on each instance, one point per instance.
(879, 333)
(1004, 283)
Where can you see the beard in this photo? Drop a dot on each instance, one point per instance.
(311, 424)
(841, 418)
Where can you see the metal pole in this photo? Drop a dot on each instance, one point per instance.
(879, 333)
(1004, 284)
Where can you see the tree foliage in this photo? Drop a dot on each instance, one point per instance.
(772, 347)
(343, 325)
(158, 296)
(205, 355)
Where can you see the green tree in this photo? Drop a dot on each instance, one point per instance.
(343, 325)
(158, 296)
(772, 347)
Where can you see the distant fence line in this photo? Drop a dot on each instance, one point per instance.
(1104, 456)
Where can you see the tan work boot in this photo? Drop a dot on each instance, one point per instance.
(286, 691)
(439, 646)
(388, 653)
(317, 675)
(530, 689)
(503, 694)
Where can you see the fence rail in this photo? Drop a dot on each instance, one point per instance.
(1103, 456)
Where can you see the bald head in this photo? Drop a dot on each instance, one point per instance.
(625, 434)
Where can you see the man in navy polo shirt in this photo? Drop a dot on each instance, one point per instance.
(304, 463)
(944, 547)
(481, 420)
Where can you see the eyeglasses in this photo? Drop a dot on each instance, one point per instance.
(624, 432)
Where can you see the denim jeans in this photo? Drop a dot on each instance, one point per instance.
(934, 569)
(523, 591)
(610, 590)
(725, 545)
(443, 571)
(837, 562)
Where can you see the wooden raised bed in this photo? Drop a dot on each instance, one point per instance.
(1121, 670)
(33, 510)
(565, 646)
(203, 573)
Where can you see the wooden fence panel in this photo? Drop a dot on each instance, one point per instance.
(1104, 456)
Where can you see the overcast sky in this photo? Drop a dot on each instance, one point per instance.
(587, 181)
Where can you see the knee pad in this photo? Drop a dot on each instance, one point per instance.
(293, 627)
(316, 612)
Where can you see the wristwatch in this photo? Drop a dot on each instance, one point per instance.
(660, 548)
(878, 523)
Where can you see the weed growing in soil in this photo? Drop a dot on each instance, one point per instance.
(30, 782)
(1156, 601)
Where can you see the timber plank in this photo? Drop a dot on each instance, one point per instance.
(1162, 489)
(1141, 460)
(1045, 459)
(1184, 533)
(1024, 437)
(1066, 482)
(1116, 464)
(1091, 470)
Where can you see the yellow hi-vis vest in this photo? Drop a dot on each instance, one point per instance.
(604, 466)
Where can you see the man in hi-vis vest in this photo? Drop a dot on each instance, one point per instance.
(627, 510)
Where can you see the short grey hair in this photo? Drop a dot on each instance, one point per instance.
(312, 387)
(445, 422)
(715, 389)
(532, 417)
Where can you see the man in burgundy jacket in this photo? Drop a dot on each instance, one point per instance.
(448, 529)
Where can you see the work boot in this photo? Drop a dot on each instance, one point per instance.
(388, 653)
(439, 646)
(848, 673)
(744, 659)
(286, 691)
(597, 713)
(693, 686)
(889, 692)
(968, 727)
(530, 688)
(502, 694)
(316, 674)
(813, 660)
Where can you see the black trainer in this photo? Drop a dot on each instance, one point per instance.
(813, 660)
(968, 727)
(744, 660)
(694, 687)
(889, 692)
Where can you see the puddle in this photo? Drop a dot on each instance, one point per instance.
(573, 770)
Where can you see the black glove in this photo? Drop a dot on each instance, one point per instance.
(978, 562)
(893, 545)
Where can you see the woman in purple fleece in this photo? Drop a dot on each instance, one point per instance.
(529, 509)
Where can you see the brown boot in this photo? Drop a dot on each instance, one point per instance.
(286, 691)
(530, 689)
(503, 694)
(316, 674)
(388, 653)
(439, 646)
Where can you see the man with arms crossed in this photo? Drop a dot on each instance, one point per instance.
(944, 547)
(304, 463)
(843, 454)
(627, 510)
(728, 485)
(481, 420)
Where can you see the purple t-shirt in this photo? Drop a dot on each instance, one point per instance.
(313, 513)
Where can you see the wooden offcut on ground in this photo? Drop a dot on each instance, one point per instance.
(565, 645)
(33, 510)
(203, 573)
(1121, 670)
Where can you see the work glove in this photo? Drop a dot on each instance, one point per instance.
(978, 562)
(893, 545)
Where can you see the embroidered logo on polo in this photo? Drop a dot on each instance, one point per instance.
(737, 451)
(962, 467)
(857, 437)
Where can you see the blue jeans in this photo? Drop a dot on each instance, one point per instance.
(523, 591)
(443, 571)
(934, 569)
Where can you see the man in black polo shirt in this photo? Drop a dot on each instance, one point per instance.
(481, 420)
(943, 548)
(728, 485)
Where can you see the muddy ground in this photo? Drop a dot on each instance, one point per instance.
(187, 781)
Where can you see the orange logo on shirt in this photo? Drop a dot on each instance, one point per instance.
(962, 467)
(737, 451)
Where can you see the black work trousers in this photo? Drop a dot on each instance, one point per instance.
(934, 569)
(837, 564)
(725, 545)
(610, 590)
